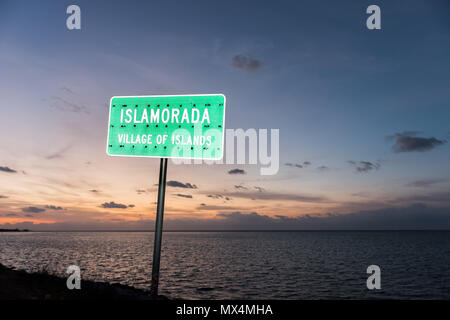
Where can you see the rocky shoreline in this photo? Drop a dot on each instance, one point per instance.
(21, 285)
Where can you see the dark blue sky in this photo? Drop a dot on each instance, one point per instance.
(335, 90)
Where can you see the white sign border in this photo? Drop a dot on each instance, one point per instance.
(169, 95)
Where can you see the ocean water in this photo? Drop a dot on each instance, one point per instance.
(247, 265)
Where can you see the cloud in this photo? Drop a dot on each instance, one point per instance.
(29, 215)
(141, 191)
(215, 196)
(184, 195)
(296, 165)
(131, 206)
(409, 142)
(7, 169)
(424, 183)
(236, 171)
(240, 187)
(113, 205)
(323, 168)
(256, 195)
(412, 217)
(440, 198)
(59, 153)
(11, 215)
(51, 207)
(208, 207)
(218, 196)
(33, 209)
(178, 184)
(66, 89)
(304, 164)
(417, 216)
(64, 105)
(252, 218)
(260, 189)
(361, 194)
(246, 63)
(364, 166)
(94, 191)
(3, 197)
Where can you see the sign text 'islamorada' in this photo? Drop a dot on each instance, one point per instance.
(177, 126)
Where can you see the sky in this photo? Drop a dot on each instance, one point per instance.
(363, 115)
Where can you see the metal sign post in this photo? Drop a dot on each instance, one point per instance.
(159, 226)
(169, 126)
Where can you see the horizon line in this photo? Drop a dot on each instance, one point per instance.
(238, 230)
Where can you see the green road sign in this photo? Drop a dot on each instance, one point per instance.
(176, 126)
